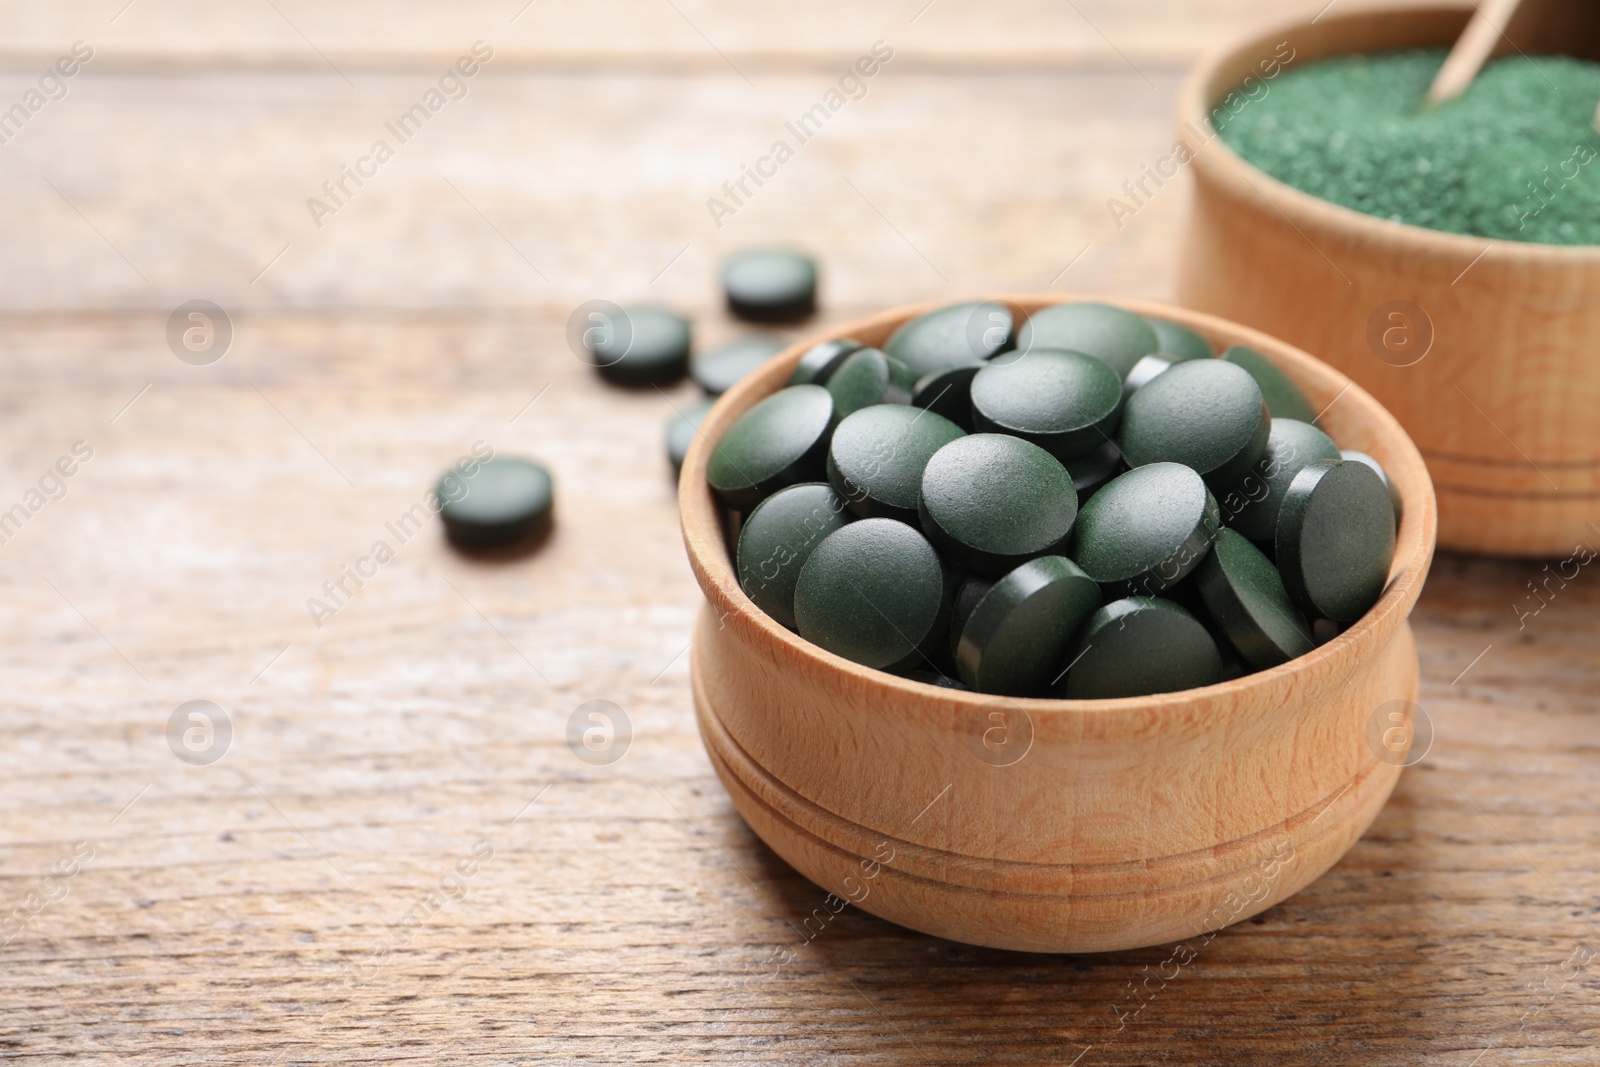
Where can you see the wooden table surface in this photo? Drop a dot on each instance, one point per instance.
(398, 857)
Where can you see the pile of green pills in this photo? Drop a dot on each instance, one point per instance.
(1087, 504)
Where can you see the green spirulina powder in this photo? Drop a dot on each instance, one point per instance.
(1514, 157)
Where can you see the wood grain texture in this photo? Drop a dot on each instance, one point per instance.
(1483, 349)
(628, 915)
(1049, 825)
(711, 35)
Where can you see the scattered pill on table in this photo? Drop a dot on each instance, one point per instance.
(770, 285)
(650, 346)
(723, 368)
(504, 502)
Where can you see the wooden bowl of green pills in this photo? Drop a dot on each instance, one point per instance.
(1055, 625)
(1446, 257)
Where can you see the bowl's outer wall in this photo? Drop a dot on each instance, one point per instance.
(1106, 819)
(1502, 404)
(1074, 907)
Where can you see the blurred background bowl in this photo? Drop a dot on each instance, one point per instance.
(1487, 351)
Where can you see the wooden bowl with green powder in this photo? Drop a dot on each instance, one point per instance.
(1446, 258)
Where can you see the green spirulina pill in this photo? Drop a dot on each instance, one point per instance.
(1143, 372)
(1252, 505)
(993, 501)
(1113, 335)
(1244, 593)
(780, 441)
(1335, 539)
(950, 336)
(649, 347)
(1394, 490)
(1139, 646)
(1177, 342)
(1145, 530)
(970, 590)
(878, 454)
(505, 501)
(723, 368)
(683, 429)
(1204, 413)
(1093, 469)
(1067, 403)
(778, 538)
(948, 392)
(875, 592)
(821, 360)
(860, 381)
(1013, 638)
(1284, 398)
(770, 285)
(901, 384)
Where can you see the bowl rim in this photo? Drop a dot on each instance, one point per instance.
(714, 569)
(1214, 157)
